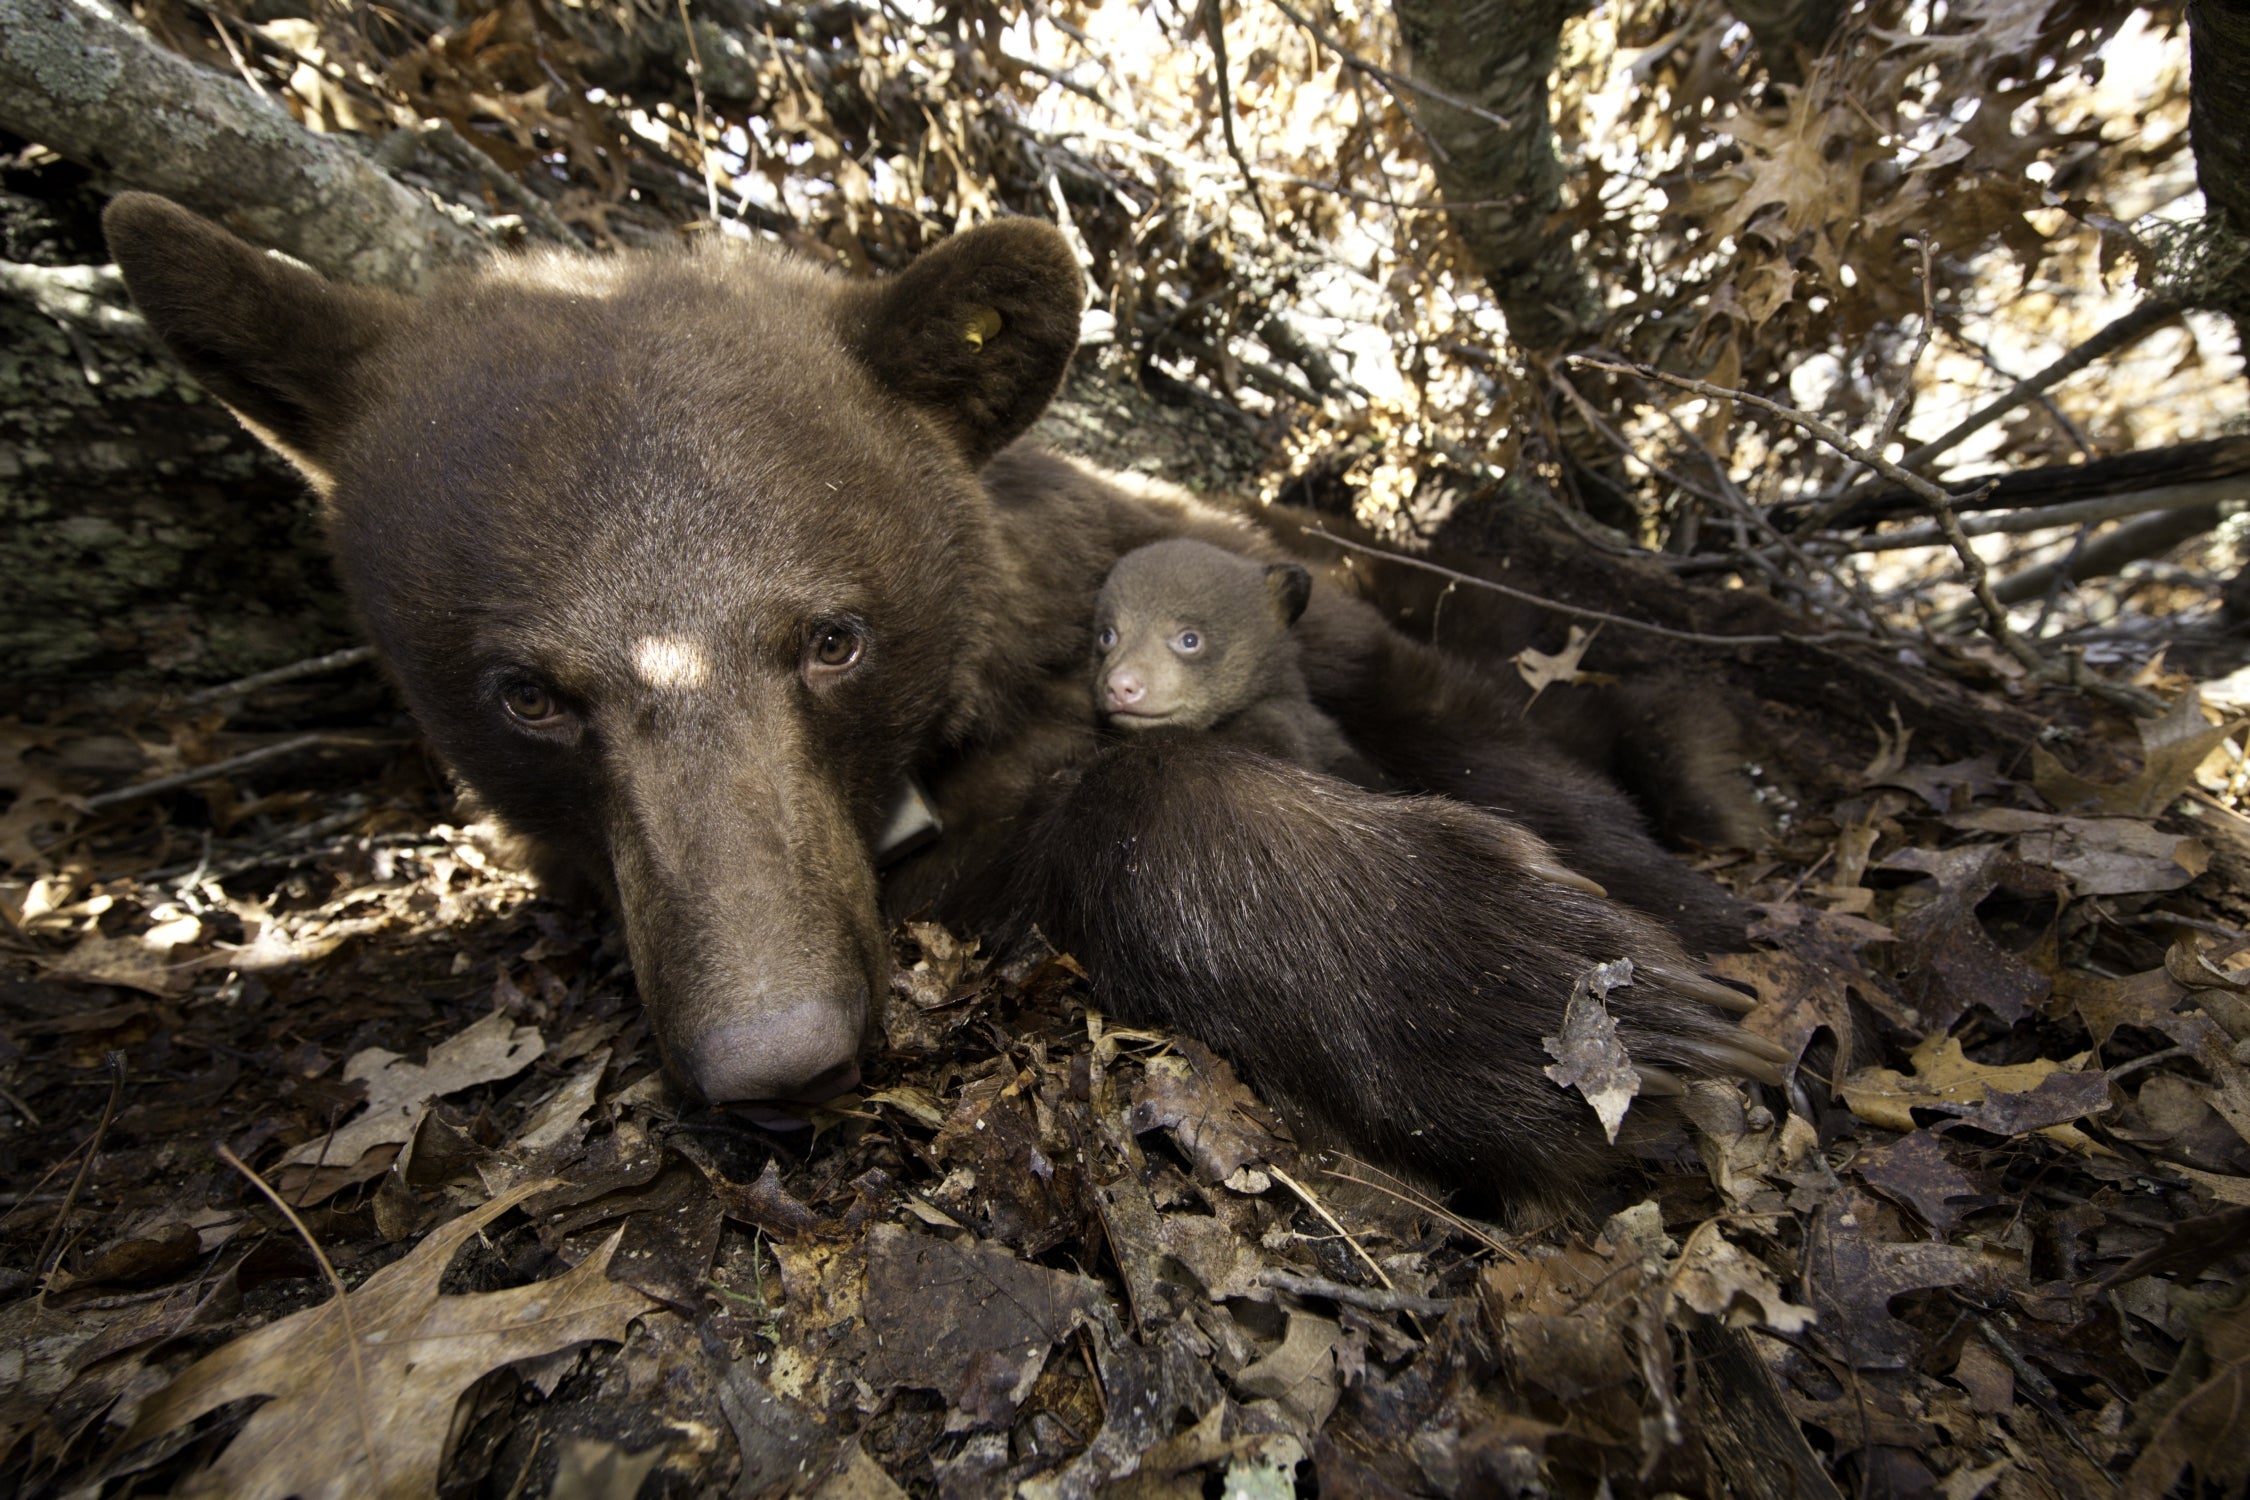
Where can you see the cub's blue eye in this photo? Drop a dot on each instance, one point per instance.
(1107, 638)
(1188, 640)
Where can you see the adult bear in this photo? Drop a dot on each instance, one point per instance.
(686, 562)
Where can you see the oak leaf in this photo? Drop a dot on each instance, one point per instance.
(363, 1386)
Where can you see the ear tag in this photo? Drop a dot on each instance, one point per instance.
(983, 323)
(909, 822)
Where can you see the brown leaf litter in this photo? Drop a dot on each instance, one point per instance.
(1988, 1240)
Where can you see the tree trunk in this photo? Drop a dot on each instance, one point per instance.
(145, 538)
(1506, 183)
(96, 89)
(2219, 126)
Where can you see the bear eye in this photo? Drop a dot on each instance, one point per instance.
(529, 702)
(834, 647)
(1187, 643)
(1107, 639)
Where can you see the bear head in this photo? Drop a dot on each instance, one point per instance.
(681, 560)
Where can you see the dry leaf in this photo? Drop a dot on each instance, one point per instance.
(124, 961)
(398, 1091)
(1588, 1055)
(1947, 1080)
(1715, 1277)
(1542, 669)
(2171, 748)
(2203, 1430)
(2099, 856)
(363, 1388)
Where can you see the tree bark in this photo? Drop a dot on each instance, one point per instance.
(96, 89)
(1506, 185)
(2219, 127)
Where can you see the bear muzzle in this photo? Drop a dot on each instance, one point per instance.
(799, 1054)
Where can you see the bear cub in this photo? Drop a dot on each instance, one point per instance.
(1189, 636)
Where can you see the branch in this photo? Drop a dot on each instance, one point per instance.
(1941, 506)
(2118, 334)
(1394, 81)
(2084, 512)
(94, 88)
(1579, 611)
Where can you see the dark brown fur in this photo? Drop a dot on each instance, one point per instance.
(684, 561)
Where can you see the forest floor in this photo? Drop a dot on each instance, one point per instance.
(335, 1160)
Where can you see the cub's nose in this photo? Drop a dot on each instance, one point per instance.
(804, 1053)
(1123, 690)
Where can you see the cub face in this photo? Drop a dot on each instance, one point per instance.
(679, 560)
(1187, 634)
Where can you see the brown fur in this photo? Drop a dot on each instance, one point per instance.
(683, 561)
(1192, 637)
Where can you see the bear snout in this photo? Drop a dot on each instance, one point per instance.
(804, 1053)
(1123, 690)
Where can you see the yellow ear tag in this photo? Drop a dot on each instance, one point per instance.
(983, 324)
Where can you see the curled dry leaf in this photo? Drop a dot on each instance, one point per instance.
(363, 1387)
(398, 1091)
(1543, 669)
(2171, 748)
(1589, 1055)
(1991, 1096)
(1714, 1276)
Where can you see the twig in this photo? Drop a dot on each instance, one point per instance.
(2118, 334)
(14, 1102)
(1358, 1296)
(2076, 513)
(1321, 1209)
(1628, 622)
(702, 144)
(1941, 506)
(1424, 1204)
(193, 775)
(54, 1242)
(334, 661)
(342, 1304)
(1215, 32)
(1897, 413)
(1395, 81)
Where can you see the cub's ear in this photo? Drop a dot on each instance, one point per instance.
(977, 331)
(276, 342)
(1291, 587)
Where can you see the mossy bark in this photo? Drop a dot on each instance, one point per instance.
(146, 540)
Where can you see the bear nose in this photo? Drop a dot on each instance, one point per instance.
(804, 1053)
(1124, 689)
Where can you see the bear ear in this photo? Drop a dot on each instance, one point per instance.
(274, 341)
(1291, 587)
(977, 331)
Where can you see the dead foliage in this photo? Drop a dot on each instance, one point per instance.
(1990, 1239)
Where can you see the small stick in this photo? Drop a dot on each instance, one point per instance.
(2119, 333)
(702, 145)
(1319, 1208)
(334, 661)
(1215, 32)
(1396, 81)
(1941, 506)
(2073, 513)
(1421, 1203)
(342, 1303)
(217, 768)
(1358, 1296)
(1581, 611)
(116, 1065)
